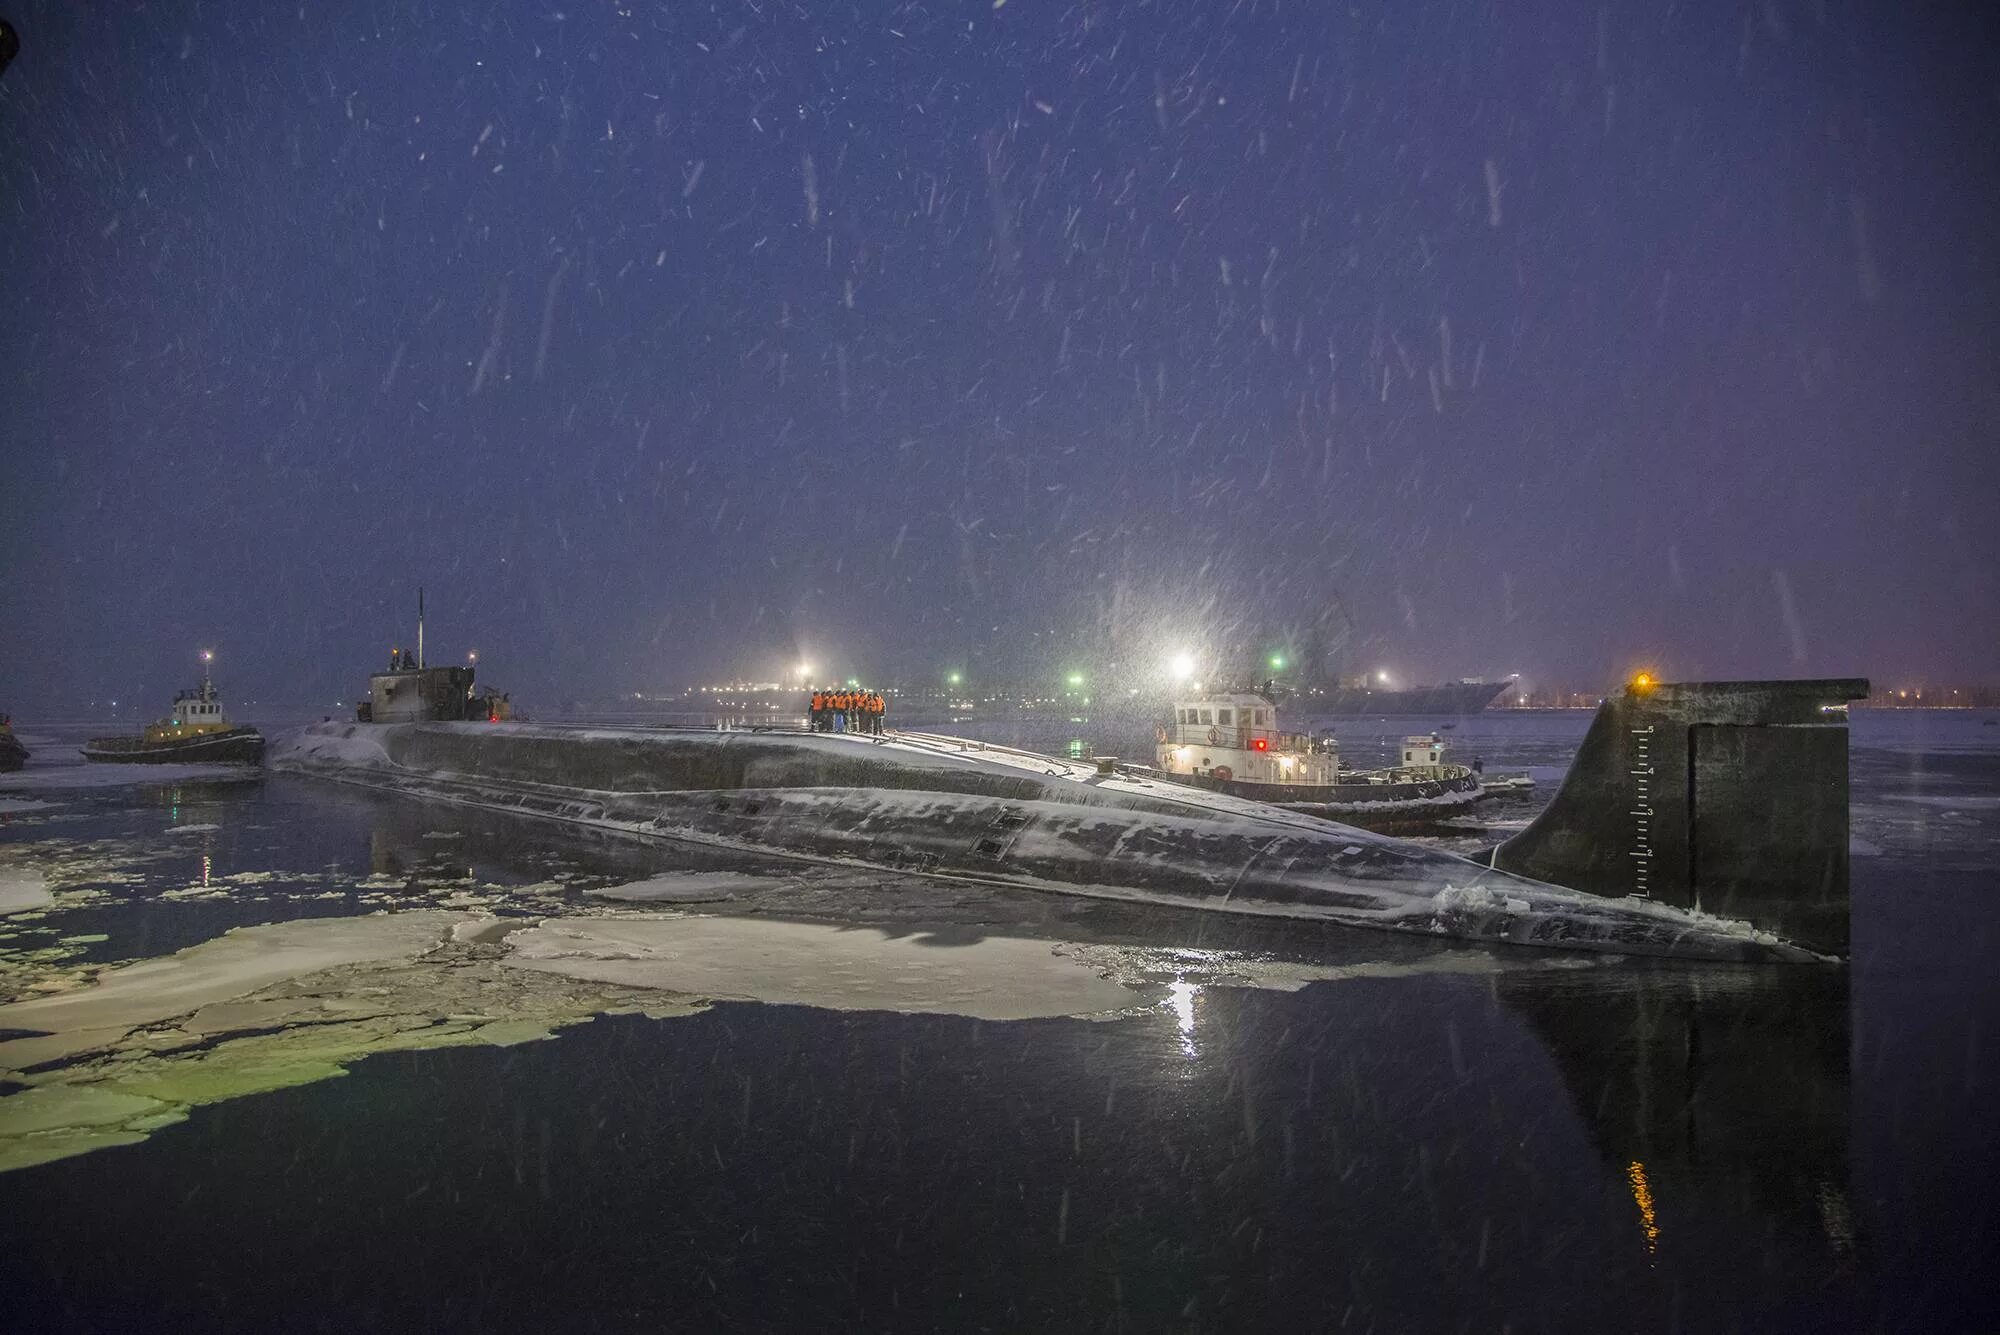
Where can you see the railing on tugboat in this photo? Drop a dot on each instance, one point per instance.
(1234, 737)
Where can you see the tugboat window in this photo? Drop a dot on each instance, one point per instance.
(1222, 716)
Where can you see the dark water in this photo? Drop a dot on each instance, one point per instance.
(1448, 1140)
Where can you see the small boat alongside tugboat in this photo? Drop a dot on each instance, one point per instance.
(196, 732)
(1231, 742)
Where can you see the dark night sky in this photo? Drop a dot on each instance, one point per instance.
(661, 341)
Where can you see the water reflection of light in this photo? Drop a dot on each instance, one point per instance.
(1642, 1196)
(204, 869)
(1180, 999)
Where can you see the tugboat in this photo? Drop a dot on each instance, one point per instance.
(1231, 743)
(197, 732)
(13, 755)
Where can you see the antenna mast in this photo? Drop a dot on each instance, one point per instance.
(420, 625)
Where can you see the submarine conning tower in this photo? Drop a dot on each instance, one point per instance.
(1732, 799)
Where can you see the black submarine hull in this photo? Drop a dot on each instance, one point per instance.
(942, 807)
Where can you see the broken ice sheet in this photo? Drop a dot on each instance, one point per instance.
(283, 1004)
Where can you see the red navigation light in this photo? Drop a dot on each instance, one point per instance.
(1261, 744)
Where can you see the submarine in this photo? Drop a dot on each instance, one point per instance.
(1700, 820)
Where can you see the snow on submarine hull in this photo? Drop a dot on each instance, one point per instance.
(936, 806)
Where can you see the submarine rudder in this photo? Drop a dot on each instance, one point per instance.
(1724, 797)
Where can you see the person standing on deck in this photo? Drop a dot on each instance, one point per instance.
(840, 711)
(812, 714)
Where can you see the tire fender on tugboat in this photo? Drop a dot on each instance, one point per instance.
(1223, 772)
(1214, 736)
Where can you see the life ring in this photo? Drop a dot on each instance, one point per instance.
(1223, 772)
(1214, 736)
(1159, 733)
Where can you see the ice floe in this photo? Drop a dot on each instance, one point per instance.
(10, 805)
(817, 964)
(231, 965)
(23, 888)
(267, 1007)
(82, 774)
